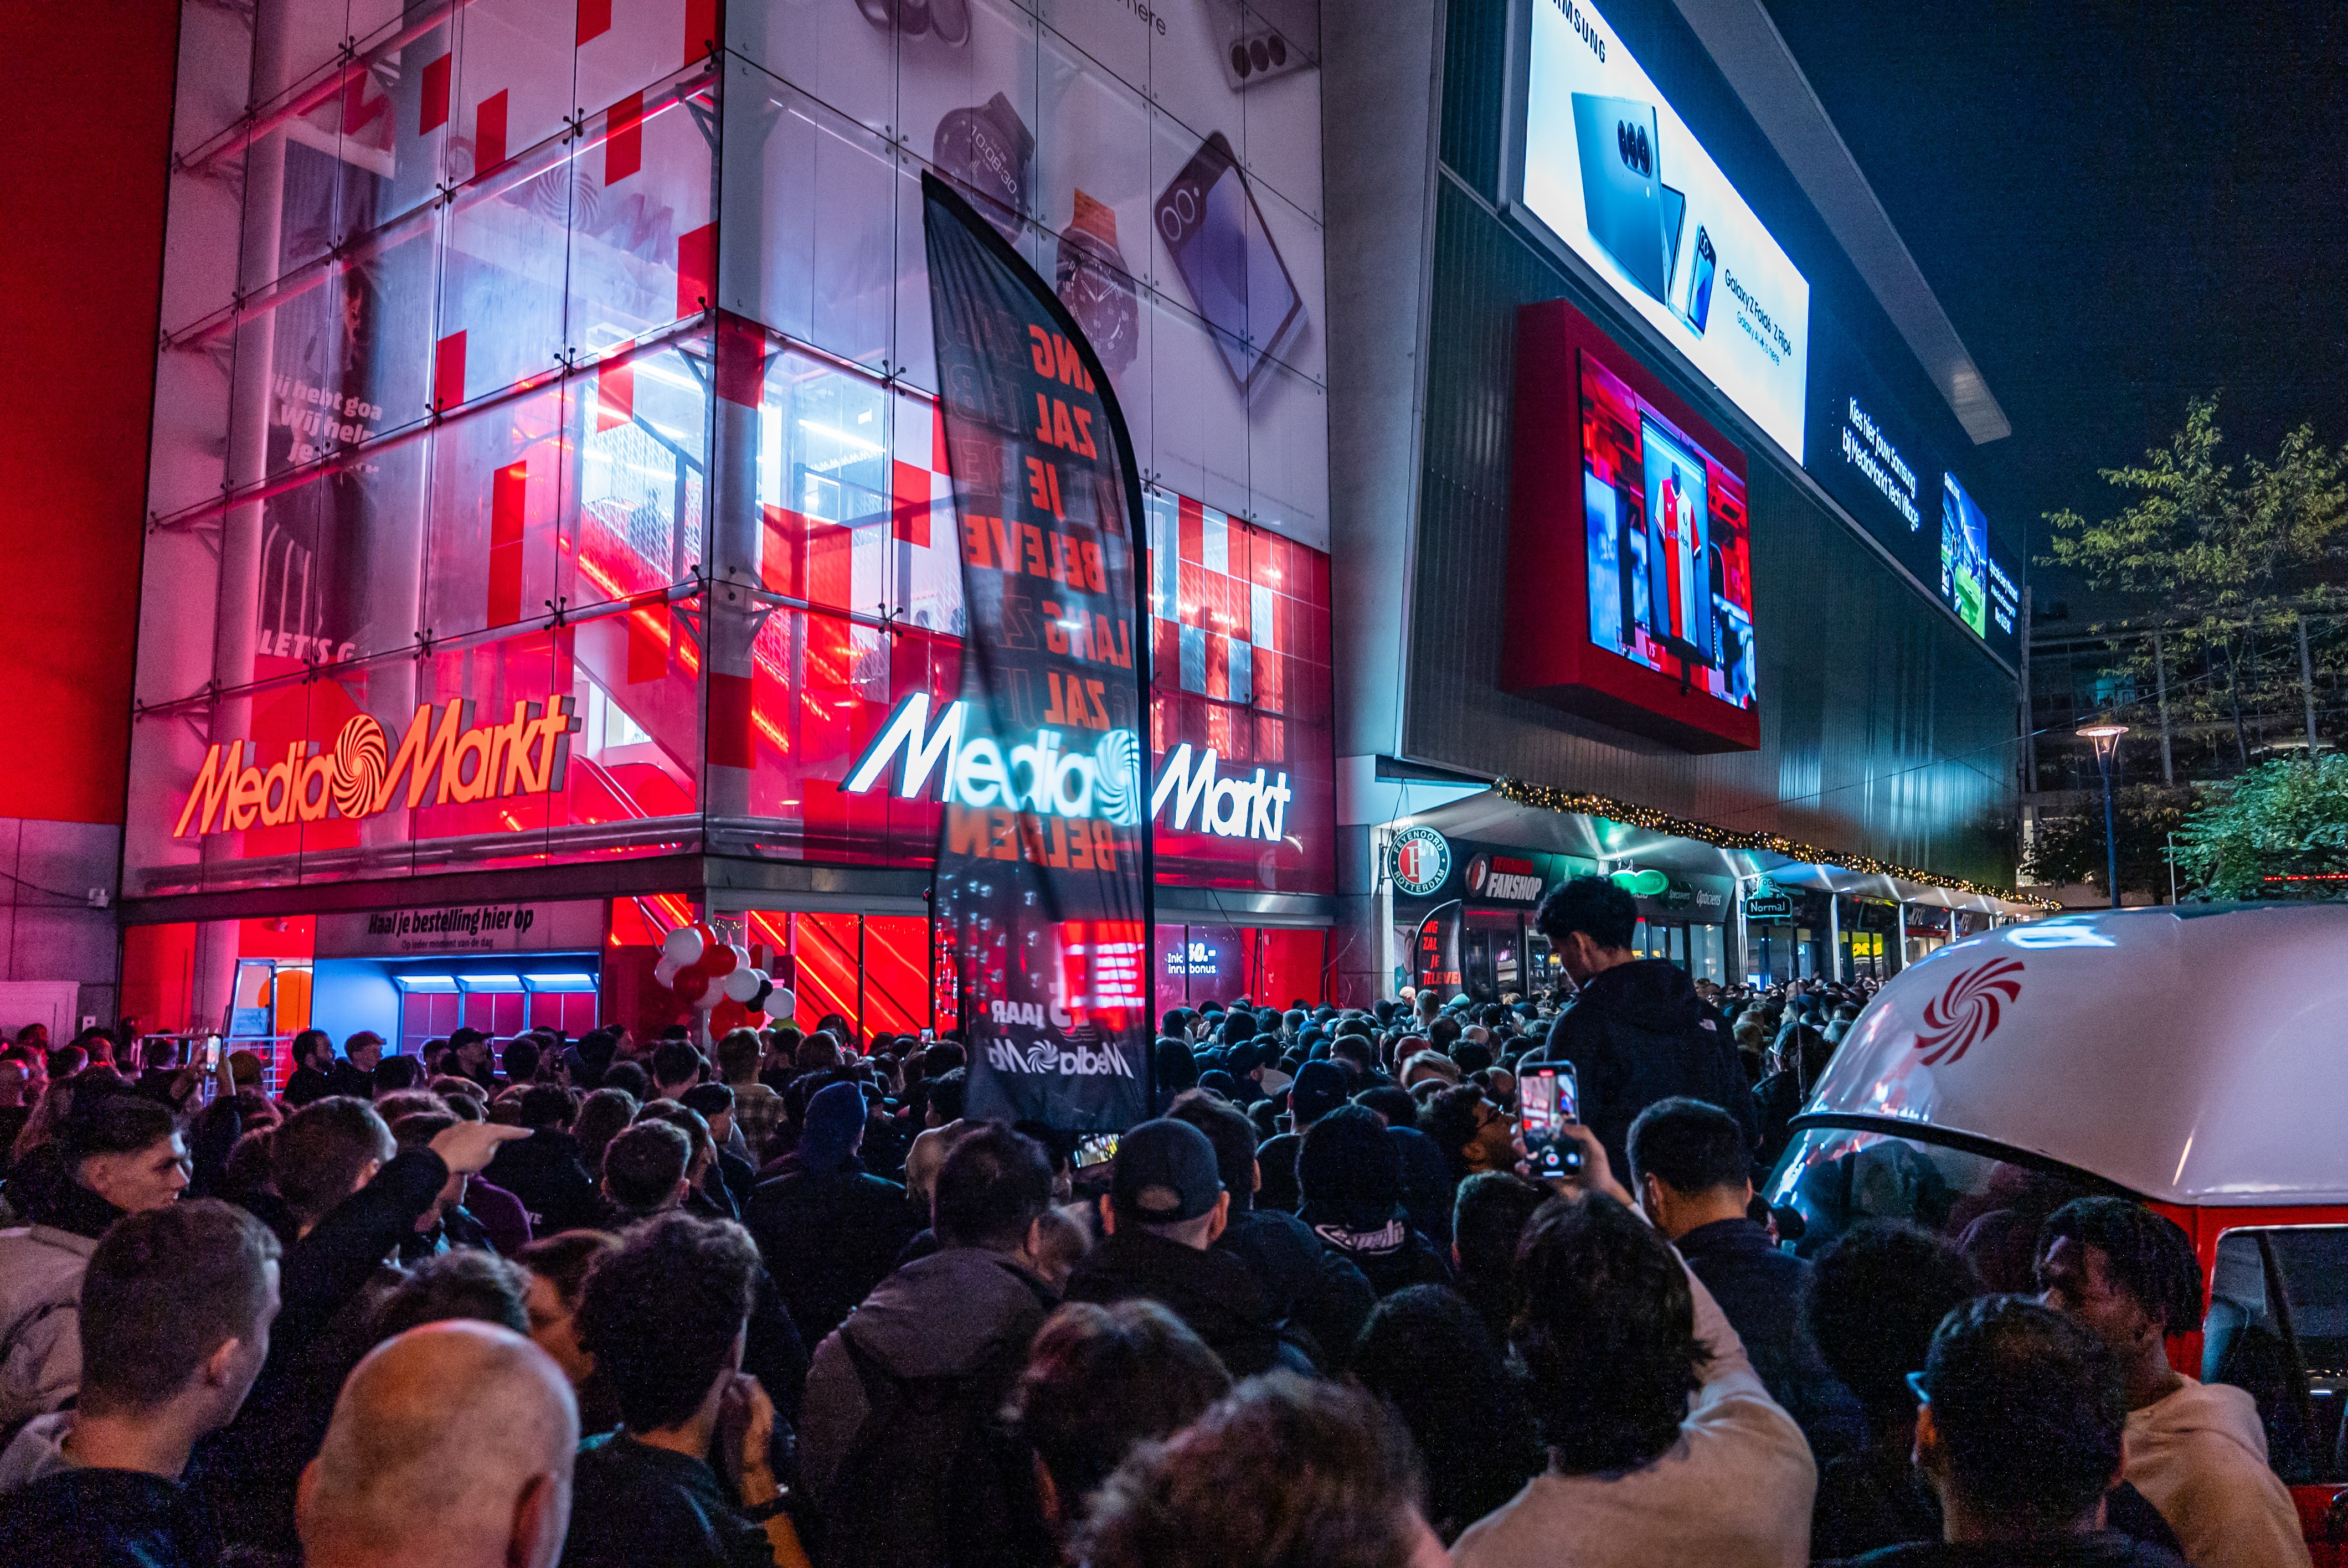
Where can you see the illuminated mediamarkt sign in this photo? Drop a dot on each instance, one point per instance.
(1050, 777)
(451, 759)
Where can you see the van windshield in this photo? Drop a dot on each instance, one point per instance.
(1832, 1178)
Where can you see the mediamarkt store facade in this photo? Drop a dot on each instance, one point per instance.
(551, 537)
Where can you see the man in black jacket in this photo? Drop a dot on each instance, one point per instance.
(354, 1074)
(313, 1066)
(544, 1169)
(1637, 1032)
(1317, 1290)
(1690, 1166)
(1165, 1208)
(176, 1309)
(356, 1195)
(828, 1231)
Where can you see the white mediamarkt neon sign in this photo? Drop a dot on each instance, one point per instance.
(1045, 777)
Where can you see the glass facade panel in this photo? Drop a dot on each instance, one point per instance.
(443, 448)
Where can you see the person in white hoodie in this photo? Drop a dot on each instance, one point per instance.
(1664, 1445)
(2197, 1451)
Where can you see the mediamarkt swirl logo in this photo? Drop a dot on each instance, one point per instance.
(1967, 1011)
(452, 759)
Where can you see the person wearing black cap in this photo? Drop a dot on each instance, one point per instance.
(1165, 1207)
(1320, 1088)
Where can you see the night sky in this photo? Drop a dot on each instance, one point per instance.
(2119, 205)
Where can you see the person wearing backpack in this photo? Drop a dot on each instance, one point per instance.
(901, 1452)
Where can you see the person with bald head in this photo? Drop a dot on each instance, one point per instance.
(450, 1447)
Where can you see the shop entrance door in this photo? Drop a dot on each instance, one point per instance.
(1492, 956)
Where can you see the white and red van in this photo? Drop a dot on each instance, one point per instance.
(2194, 1058)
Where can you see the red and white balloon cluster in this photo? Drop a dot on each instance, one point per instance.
(702, 970)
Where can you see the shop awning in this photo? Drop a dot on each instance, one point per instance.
(1492, 816)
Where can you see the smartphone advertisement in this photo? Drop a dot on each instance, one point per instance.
(1866, 454)
(1159, 164)
(1612, 171)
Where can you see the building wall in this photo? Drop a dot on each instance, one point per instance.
(1886, 728)
(1883, 730)
(82, 289)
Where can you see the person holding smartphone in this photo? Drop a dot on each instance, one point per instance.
(1637, 1032)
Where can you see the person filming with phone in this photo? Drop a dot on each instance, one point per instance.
(1636, 1031)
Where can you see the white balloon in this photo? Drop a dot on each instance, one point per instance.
(684, 945)
(781, 1004)
(665, 969)
(741, 985)
(741, 959)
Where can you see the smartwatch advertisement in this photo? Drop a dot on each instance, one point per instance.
(1603, 167)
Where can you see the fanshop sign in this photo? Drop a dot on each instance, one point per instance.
(1049, 777)
(1504, 879)
(443, 759)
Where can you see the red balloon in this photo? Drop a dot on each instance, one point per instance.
(689, 985)
(718, 960)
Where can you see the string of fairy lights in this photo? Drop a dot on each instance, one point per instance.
(1546, 797)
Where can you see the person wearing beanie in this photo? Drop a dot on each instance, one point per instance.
(1165, 1207)
(1349, 1172)
(1320, 1088)
(829, 1231)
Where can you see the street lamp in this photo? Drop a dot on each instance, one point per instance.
(2106, 737)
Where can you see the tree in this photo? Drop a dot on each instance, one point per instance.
(2225, 556)
(2284, 819)
(2068, 850)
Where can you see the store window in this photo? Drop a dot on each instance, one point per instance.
(1269, 966)
(1702, 950)
(873, 974)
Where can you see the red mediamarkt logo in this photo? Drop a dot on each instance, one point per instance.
(1968, 1010)
(357, 778)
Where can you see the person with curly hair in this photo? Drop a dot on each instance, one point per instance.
(665, 1315)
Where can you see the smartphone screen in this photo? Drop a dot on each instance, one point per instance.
(1096, 1149)
(1546, 1100)
(1215, 232)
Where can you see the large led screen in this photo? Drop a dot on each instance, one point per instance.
(1631, 556)
(1610, 171)
(1671, 571)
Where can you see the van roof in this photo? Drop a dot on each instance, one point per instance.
(2196, 1054)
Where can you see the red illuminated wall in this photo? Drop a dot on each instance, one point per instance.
(84, 149)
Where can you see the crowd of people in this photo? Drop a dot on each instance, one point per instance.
(613, 1302)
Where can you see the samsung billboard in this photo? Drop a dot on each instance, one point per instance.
(1605, 165)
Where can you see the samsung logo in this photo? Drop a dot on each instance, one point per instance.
(1582, 25)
